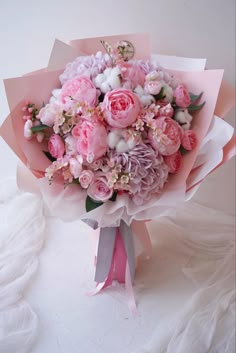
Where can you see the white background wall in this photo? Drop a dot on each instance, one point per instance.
(202, 28)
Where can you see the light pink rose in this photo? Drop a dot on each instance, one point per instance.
(86, 177)
(166, 137)
(153, 87)
(50, 113)
(56, 146)
(81, 89)
(121, 108)
(182, 98)
(91, 139)
(174, 161)
(99, 190)
(189, 140)
(75, 167)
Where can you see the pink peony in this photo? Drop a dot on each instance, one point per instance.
(173, 161)
(166, 137)
(91, 139)
(99, 190)
(56, 146)
(86, 177)
(182, 98)
(81, 89)
(121, 108)
(50, 113)
(153, 87)
(189, 140)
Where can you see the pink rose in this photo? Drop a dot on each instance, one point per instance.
(50, 113)
(182, 98)
(56, 146)
(189, 140)
(91, 139)
(121, 108)
(99, 190)
(166, 137)
(86, 177)
(81, 89)
(153, 87)
(174, 162)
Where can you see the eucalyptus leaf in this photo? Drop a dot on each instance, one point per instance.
(114, 196)
(90, 204)
(193, 107)
(39, 128)
(183, 151)
(195, 97)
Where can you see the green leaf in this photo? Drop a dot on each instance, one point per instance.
(49, 156)
(183, 151)
(39, 128)
(195, 97)
(193, 107)
(114, 196)
(160, 95)
(90, 204)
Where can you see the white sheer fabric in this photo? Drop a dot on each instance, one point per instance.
(205, 324)
(21, 237)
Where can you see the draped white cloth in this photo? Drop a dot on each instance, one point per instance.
(205, 324)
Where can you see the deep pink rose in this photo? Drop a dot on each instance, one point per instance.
(56, 146)
(99, 190)
(86, 178)
(174, 161)
(189, 140)
(81, 89)
(182, 98)
(153, 87)
(91, 139)
(121, 108)
(166, 137)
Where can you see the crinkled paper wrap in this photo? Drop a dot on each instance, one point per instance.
(213, 149)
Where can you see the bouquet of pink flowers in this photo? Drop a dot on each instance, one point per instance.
(114, 138)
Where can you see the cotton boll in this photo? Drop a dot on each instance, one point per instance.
(168, 92)
(131, 143)
(114, 79)
(122, 147)
(55, 95)
(113, 139)
(99, 80)
(139, 90)
(107, 72)
(183, 118)
(105, 87)
(147, 99)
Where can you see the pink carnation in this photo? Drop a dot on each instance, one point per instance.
(91, 139)
(174, 161)
(99, 190)
(56, 146)
(182, 98)
(121, 108)
(166, 137)
(132, 75)
(81, 89)
(189, 140)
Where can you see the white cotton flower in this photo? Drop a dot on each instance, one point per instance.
(145, 98)
(183, 118)
(122, 146)
(113, 139)
(109, 79)
(168, 92)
